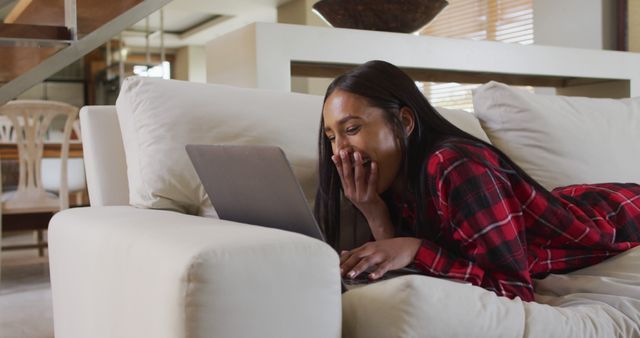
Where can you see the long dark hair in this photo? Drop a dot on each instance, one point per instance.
(387, 87)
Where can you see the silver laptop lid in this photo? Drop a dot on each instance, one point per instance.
(254, 185)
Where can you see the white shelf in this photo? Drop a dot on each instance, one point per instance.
(266, 55)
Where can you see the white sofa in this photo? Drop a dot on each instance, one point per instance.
(124, 268)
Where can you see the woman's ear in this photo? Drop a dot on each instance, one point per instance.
(408, 119)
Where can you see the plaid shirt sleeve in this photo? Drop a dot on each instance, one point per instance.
(481, 224)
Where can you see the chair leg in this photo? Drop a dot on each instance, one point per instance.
(40, 241)
(79, 198)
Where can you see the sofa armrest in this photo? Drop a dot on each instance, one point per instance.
(104, 158)
(119, 271)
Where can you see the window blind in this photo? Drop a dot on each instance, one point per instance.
(509, 21)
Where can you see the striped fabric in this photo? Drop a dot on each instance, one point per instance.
(491, 228)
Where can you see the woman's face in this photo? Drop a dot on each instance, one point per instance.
(351, 124)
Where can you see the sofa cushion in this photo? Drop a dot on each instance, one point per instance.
(563, 140)
(421, 306)
(602, 300)
(159, 117)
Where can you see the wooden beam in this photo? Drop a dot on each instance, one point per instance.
(38, 32)
(91, 13)
(18, 60)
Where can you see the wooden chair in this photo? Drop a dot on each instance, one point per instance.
(30, 121)
(76, 179)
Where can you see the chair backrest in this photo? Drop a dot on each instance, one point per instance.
(77, 130)
(6, 130)
(30, 121)
(104, 158)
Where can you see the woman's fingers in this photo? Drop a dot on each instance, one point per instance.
(344, 255)
(337, 159)
(380, 270)
(380, 256)
(351, 261)
(338, 162)
(348, 184)
(358, 260)
(357, 184)
(360, 184)
(372, 185)
(364, 264)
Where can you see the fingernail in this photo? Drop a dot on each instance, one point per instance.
(343, 154)
(372, 275)
(352, 274)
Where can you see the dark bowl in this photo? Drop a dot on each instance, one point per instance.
(404, 16)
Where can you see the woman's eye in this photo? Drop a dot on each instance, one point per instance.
(353, 130)
(331, 138)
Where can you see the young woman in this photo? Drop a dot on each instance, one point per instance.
(449, 203)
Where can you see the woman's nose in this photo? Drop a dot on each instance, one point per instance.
(342, 143)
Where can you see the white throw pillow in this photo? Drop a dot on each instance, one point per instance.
(464, 120)
(159, 117)
(562, 140)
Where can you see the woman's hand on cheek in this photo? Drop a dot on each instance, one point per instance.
(362, 192)
(381, 256)
(357, 187)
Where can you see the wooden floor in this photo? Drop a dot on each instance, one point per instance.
(25, 292)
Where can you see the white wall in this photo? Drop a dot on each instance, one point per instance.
(191, 64)
(589, 24)
(180, 65)
(574, 23)
(197, 64)
(300, 12)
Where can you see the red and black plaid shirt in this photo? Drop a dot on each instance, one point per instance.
(493, 229)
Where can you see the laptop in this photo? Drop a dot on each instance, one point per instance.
(255, 185)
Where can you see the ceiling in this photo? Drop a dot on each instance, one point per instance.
(195, 22)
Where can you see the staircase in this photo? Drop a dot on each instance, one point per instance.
(40, 37)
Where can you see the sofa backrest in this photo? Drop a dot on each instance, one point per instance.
(158, 117)
(103, 150)
(241, 115)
